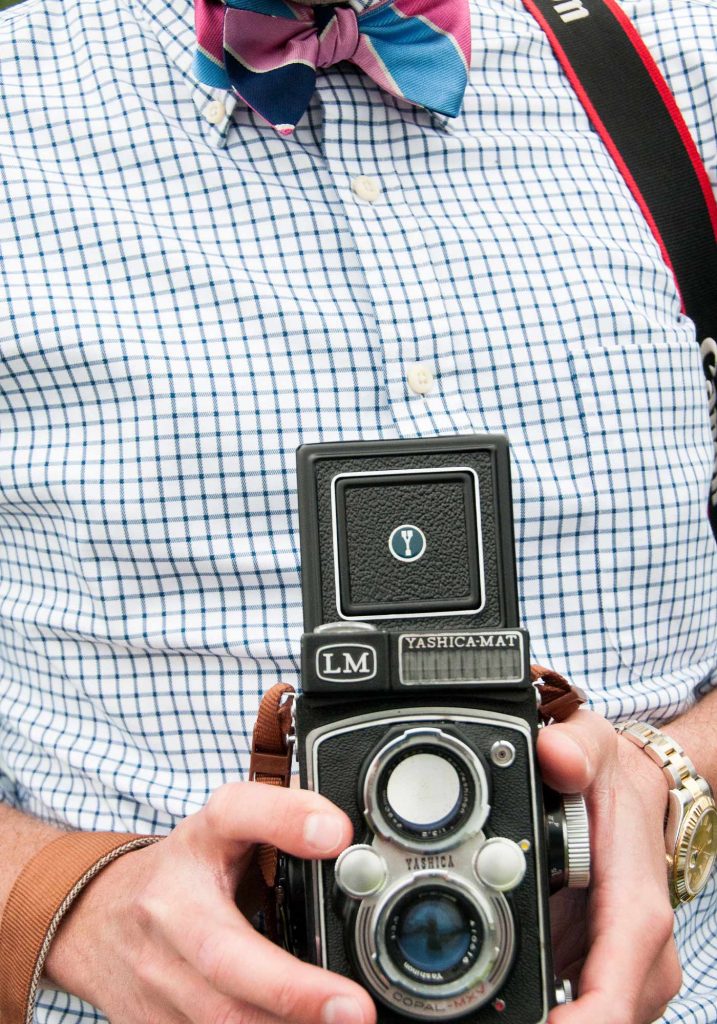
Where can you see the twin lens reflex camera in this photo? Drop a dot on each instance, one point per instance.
(419, 719)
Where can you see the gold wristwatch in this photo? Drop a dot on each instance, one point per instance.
(691, 823)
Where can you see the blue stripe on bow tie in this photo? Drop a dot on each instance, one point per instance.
(206, 70)
(407, 46)
(275, 8)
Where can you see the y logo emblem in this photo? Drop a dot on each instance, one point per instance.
(407, 543)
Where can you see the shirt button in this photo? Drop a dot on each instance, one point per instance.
(215, 112)
(420, 379)
(366, 188)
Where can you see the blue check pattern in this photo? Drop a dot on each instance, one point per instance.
(185, 297)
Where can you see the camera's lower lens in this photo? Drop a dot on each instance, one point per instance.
(434, 935)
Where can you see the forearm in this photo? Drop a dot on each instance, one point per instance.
(21, 836)
(695, 731)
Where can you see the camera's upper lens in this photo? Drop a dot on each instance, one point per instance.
(425, 792)
(434, 935)
(425, 789)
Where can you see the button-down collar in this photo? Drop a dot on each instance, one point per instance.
(172, 24)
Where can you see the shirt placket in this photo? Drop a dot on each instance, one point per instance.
(411, 320)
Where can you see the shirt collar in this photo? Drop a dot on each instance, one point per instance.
(171, 22)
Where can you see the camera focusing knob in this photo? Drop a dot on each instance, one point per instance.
(500, 864)
(360, 872)
(563, 992)
(568, 836)
(577, 841)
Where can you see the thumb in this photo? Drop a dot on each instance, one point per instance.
(571, 753)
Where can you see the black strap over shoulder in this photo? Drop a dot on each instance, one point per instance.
(632, 108)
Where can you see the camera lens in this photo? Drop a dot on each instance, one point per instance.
(425, 789)
(435, 943)
(425, 792)
(434, 935)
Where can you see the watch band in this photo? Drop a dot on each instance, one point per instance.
(668, 755)
(691, 815)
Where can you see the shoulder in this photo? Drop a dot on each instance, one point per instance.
(682, 37)
(29, 33)
(34, 43)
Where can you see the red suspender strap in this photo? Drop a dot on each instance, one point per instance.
(633, 110)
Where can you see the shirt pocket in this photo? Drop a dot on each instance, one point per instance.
(651, 459)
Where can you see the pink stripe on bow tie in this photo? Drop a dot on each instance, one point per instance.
(255, 40)
(209, 25)
(448, 17)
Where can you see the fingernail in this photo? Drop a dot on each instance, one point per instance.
(577, 750)
(342, 1010)
(583, 752)
(323, 832)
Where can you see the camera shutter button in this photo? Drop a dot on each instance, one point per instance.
(500, 864)
(360, 872)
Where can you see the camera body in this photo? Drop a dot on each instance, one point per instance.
(418, 718)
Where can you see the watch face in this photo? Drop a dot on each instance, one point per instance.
(702, 850)
(697, 849)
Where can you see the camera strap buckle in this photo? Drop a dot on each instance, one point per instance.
(558, 699)
(272, 748)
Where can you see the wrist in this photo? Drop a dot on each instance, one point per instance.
(680, 731)
(647, 776)
(76, 955)
(67, 954)
(39, 900)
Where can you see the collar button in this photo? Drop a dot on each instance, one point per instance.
(215, 112)
(365, 188)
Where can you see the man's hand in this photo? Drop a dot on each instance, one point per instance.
(157, 937)
(628, 967)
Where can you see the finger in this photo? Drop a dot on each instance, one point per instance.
(240, 814)
(614, 979)
(180, 988)
(616, 968)
(571, 753)
(663, 985)
(568, 912)
(238, 962)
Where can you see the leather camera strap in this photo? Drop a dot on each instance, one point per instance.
(40, 897)
(272, 753)
(558, 698)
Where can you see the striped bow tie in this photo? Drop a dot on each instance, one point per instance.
(267, 51)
